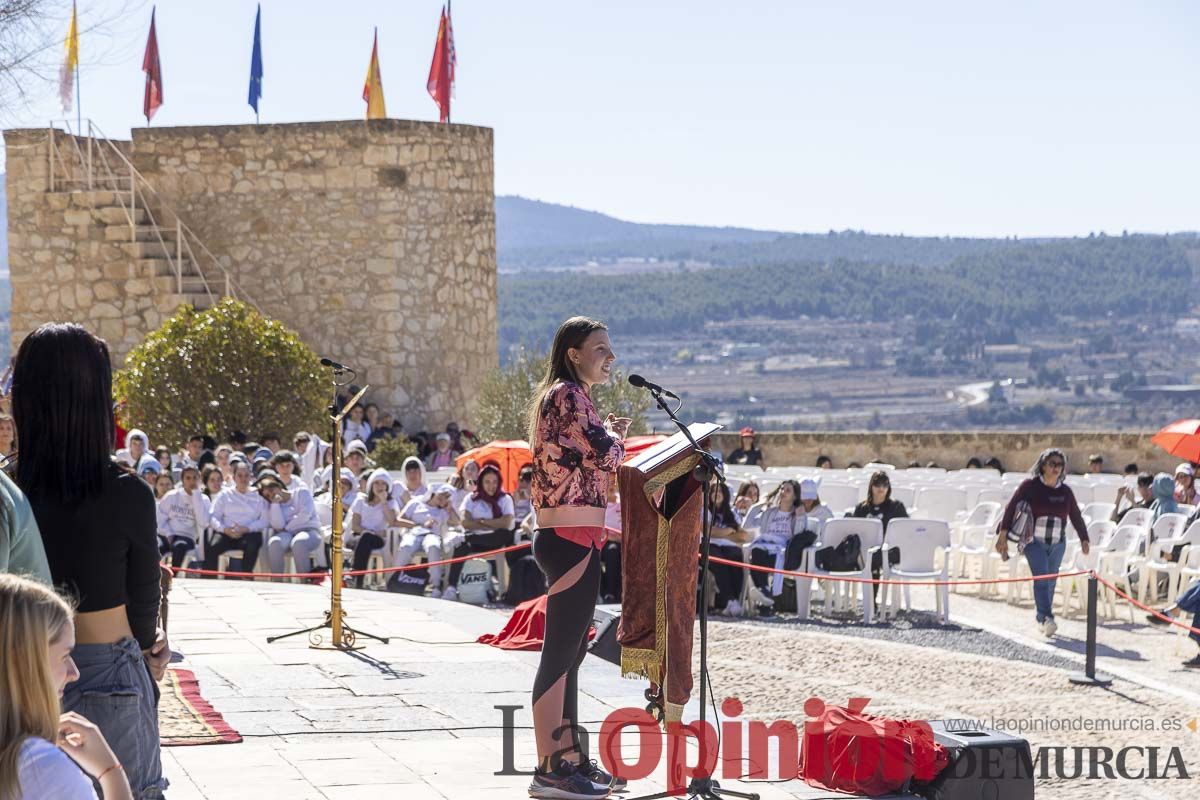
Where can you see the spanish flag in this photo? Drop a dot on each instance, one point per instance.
(373, 88)
(66, 76)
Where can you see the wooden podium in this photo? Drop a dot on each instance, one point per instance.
(661, 509)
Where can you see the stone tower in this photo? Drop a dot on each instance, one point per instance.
(374, 240)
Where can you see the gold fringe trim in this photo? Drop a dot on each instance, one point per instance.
(641, 663)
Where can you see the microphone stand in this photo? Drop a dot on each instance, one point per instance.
(704, 787)
(341, 635)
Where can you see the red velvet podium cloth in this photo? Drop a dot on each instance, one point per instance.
(661, 505)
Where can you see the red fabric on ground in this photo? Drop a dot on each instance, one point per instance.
(525, 629)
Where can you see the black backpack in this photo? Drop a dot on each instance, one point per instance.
(525, 581)
(409, 581)
(846, 557)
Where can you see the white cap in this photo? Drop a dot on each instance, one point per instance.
(808, 489)
(1185, 469)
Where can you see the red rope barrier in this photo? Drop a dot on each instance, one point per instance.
(1153, 611)
(351, 573)
(882, 581)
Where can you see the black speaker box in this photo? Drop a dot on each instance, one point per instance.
(605, 644)
(984, 765)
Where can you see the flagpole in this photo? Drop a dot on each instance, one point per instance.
(449, 94)
(78, 102)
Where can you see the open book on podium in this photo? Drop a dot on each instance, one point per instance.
(661, 507)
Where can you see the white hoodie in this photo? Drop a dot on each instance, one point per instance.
(181, 514)
(297, 514)
(401, 492)
(134, 433)
(234, 508)
(312, 459)
(372, 517)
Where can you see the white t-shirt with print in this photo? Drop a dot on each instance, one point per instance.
(371, 517)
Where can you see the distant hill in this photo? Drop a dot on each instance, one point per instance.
(531, 235)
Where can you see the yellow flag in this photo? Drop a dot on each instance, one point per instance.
(66, 77)
(373, 88)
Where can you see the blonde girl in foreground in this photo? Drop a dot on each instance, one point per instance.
(36, 638)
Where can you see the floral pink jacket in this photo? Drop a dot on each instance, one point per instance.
(574, 457)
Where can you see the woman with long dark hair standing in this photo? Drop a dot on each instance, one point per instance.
(98, 523)
(575, 455)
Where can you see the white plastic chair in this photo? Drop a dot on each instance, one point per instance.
(840, 497)
(1116, 561)
(919, 541)
(870, 532)
(1159, 562)
(1100, 532)
(946, 503)
(1097, 511)
(1168, 526)
(905, 494)
(1141, 517)
(994, 495)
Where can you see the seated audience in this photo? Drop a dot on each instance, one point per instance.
(463, 482)
(778, 524)
(443, 456)
(355, 458)
(747, 453)
(183, 515)
(1164, 496)
(21, 548)
(163, 484)
(46, 754)
(355, 426)
(148, 469)
(414, 480)
(1095, 464)
(816, 513)
(387, 429)
(425, 521)
(1185, 484)
(239, 517)
(294, 526)
(879, 505)
(223, 457)
(1131, 470)
(1189, 602)
(8, 438)
(198, 454)
(726, 539)
(994, 463)
(270, 441)
(1128, 499)
(137, 444)
(459, 438)
(323, 499)
(163, 454)
(824, 462)
(487, 520)
(371, 515)
(213, 480)
(371, 414)
(285, 464)
(747, 496)
(523, 496)
(974, 463)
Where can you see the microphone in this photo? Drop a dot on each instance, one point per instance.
(642, 383)
(326, 362)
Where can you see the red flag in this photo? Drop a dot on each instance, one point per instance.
(441, 71)
(153, 70)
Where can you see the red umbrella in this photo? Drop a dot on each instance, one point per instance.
(1180, 439)
(508, 455)
(636, 444)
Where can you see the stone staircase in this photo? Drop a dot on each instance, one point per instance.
(150, 248)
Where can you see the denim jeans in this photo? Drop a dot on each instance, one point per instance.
(1189, 601)
(1044, 560)
(116, 693)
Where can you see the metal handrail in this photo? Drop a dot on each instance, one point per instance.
(139, 186)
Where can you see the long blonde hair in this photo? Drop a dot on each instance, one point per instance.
(571, 334)
(31, 617)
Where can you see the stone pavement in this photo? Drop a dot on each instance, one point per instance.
(417, 716)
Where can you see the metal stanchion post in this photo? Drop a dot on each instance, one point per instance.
(1089, 676)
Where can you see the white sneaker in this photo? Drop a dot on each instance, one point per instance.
(759, 599)
(436, 594)
(450, 594)
(733, 609)
(1049, 627)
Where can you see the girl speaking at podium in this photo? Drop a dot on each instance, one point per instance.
(575, 457)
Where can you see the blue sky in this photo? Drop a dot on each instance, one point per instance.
(922, 117)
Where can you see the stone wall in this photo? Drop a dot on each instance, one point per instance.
(1016, 450)
(374, 240)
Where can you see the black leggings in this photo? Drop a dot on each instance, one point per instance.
(573, 573)
(180, 547)
(367, 544)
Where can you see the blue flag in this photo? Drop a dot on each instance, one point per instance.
(256, 67)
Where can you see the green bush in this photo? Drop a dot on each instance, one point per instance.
(216, 371)
(502, 403)
(390, 453)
